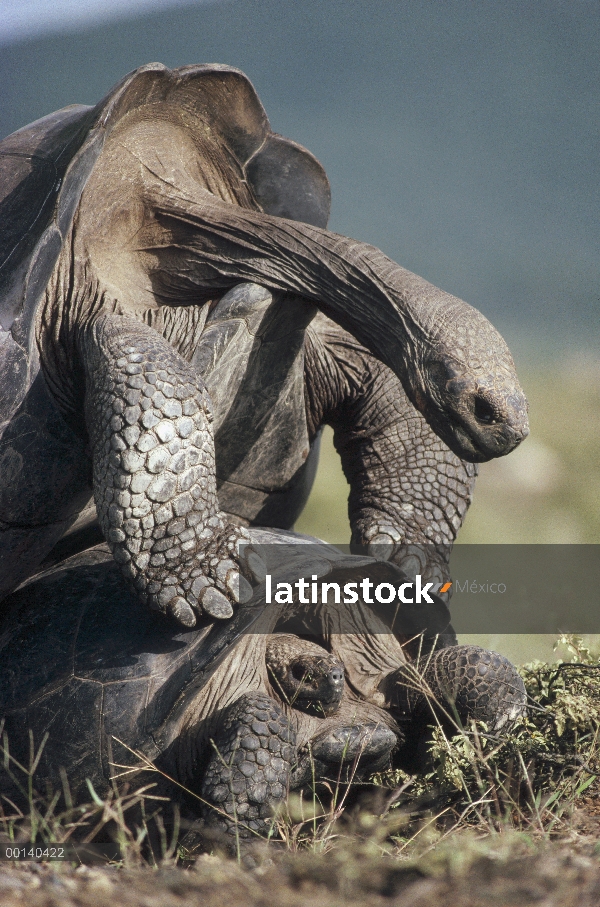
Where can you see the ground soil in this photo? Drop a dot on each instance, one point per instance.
(464, 872)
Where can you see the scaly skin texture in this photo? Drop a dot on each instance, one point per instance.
(149, 421)
(248, 774)
(169, 702)
(345, 753)
(454, 366)
(453, 686)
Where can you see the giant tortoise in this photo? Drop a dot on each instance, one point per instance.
(124, 226)
(236, 711)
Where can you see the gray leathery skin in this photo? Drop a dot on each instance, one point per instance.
(44, 168)
(406, 487)
(248, 774)
(397, 315)
(345, 753)
(253, 345)
(149, 419)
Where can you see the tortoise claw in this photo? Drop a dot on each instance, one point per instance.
(182, 612)
(215, 603)
(383, 541)
(239, 588)
(228, 575)
(255, 564)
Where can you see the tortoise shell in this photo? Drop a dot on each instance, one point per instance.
(45, 167)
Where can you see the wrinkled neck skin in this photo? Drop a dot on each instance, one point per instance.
(455, 367)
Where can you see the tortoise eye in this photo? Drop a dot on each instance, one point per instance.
(484, 412)
(300, 672)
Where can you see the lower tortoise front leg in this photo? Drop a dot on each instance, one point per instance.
(248, 773)
(149, 420)
(453, 687)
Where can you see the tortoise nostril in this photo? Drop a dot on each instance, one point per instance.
(484, 411)
(336, 676)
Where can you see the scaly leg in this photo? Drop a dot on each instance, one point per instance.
(149, 421)
(249, 771)
(454, 686)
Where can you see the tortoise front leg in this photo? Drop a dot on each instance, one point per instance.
(406, 485)
(453, 686)
(149, 420)
(248, 773)
(409, 492)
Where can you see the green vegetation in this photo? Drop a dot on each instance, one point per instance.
(531, 777)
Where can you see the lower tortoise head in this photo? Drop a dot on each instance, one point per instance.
(305, 675)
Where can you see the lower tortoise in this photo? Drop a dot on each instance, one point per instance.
(241, 711)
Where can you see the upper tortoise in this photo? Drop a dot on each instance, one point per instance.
(124, 228)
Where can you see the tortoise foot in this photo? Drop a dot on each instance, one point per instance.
(459, 684)
(248, 774)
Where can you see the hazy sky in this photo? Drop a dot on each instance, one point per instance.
(462, 138)
(28, 18)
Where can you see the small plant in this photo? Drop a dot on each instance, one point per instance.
(530, 778)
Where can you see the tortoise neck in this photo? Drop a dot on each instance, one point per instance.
(387, 308)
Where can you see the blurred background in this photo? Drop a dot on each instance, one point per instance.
(461, 138)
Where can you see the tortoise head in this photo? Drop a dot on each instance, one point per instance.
(463, 380)
(306, 676)
(314, 684)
